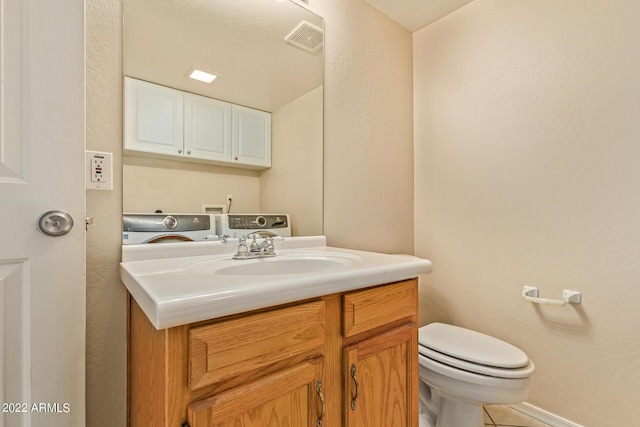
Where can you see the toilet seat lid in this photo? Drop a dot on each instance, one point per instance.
(471, 346)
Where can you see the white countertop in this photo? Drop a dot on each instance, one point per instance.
(181, 283)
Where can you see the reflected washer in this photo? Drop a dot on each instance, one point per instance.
(161, 228)
(238, 225)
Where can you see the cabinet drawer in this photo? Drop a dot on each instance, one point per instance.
(246, 345)
(289, 397)
(366, 310)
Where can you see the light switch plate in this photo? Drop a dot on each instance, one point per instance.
(98, 170)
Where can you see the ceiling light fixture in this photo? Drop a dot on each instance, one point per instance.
(202, 76)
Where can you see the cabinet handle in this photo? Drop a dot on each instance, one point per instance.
(188, 151)
(179, 150)
(324, 406)
(355, 380)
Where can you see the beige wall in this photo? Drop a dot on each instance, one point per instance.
(526, 159)
(368, 166)
(106, 364)
(151, 184)
(368, 140)
(293, 184)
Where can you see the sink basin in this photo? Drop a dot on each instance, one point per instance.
(181, 283)
(298, 263)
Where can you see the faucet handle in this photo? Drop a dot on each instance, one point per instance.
(254, 244)
(270, 246)
(242, 245)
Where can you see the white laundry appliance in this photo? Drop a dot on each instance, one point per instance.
(238, 225)
(162, 227)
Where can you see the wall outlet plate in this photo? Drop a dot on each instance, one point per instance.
(98, 170)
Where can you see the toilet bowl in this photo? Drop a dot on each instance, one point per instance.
(461, 370)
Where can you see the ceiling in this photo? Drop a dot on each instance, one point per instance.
(416, 14)
(241, 41)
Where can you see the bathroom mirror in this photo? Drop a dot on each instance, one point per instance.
(243, 42)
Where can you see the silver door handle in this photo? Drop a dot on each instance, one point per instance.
(55, 223)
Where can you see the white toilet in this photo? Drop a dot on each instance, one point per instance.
(462, 370)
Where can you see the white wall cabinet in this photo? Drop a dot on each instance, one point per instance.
(168, 123)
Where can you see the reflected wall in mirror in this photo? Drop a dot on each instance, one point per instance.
(243, 42)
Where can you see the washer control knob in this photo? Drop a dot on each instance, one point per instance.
(261, 221)
(170, 222)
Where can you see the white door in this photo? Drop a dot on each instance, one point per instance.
(42, 285)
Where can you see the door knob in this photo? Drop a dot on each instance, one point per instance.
(55, 223)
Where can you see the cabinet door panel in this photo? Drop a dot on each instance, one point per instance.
(153, 118)
(251, 136)
(207, 131)
(380, 380)
(287, 398)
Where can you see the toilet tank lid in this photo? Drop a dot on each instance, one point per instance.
(471, 346)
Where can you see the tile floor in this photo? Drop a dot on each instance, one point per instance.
(503, 416)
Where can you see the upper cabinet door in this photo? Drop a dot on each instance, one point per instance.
(153, 118)
(251, 136)
(207, 128)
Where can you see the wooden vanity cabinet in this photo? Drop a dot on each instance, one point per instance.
(284, 366)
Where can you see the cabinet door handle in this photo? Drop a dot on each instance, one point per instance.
(355, 380)
(324, 406)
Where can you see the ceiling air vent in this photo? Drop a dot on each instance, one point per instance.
(306, 37)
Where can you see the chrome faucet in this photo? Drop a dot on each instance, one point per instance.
(264, 249)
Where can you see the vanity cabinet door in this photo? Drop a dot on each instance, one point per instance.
(153, 118)
(291, 397)
(380, 360)
(207, 129)
(251, 136)
(380, 388)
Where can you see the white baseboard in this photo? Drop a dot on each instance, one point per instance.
(543, 416)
